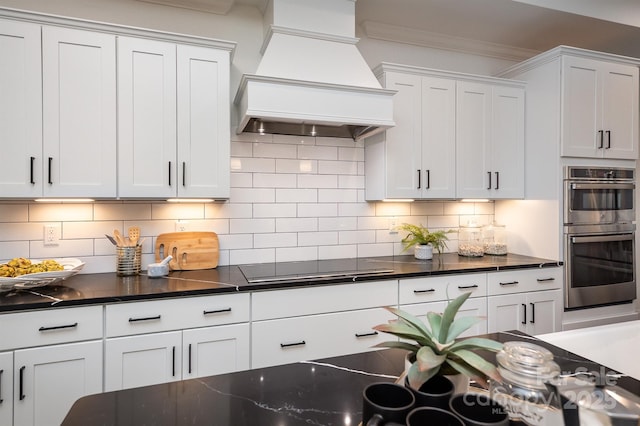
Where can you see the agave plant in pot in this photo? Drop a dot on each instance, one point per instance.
(435, 348)
(423, 240)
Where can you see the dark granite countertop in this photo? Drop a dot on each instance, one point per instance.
(325, 392)
(83, 289)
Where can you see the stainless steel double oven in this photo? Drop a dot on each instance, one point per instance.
(599, 232)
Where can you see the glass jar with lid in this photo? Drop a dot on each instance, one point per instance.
(495, 239)
(470, 242)
(525, 368)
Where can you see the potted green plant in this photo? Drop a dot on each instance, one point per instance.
(435, 349)
(423, 240)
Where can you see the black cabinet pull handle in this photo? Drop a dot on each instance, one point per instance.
(216, 311)
(49, 170)
(608, 139)
(533, 313)
(169, 173)
(543, 280)
(419, 179)
(22, 396)
(464, 287)
(31, 170)
(428, 173)
(157, 317)
(509, 283)
(524, 314)
(173, 362)
(430, 290)
(58, 327)
(288, 345)
(497, 180)
(601, 135)
(184, 168)
(189, 358)
(489, 173)
(374, 333)
(1, 400)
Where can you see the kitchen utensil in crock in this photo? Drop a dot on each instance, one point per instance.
(110, 238)
(118, 237)
(134, 235)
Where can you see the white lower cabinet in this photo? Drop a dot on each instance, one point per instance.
(215, 350)
(287, 340)
(529, 301)
(6, 388)
(473, 307)
(48, 380)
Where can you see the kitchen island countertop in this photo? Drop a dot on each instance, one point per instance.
(324, 392)
(83, 289)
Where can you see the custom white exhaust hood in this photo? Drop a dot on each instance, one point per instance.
(312, 79)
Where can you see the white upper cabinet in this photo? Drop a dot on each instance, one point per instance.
(453, 133)
(416, 158)
(79, 113)
(490, 141)
(20, 109)
(173, 110)
(147, 165)
(600, 109)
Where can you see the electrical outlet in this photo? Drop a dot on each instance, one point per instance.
(393, 222)
(182, 225)
(52, 234)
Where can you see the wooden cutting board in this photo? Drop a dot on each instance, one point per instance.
(190, 250)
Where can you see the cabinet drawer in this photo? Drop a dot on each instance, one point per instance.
(288, 340)
(433, 289)
(174, 314)
(525, 280)
(48, 327)
(316, 300)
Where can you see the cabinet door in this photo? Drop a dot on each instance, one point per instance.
(507, 312)
(438, 179)
(580, 112)
(545, 312)
(146, 118)
(142, 360)
(215, 350)
(79, 113)
(203, 122)
(620, 102)
(507, 143)
(6, 388)
(20, 109)
(473, 138)
(48, 380)
(403, 142)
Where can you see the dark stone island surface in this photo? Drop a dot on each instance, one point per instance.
(326, 392)
(83, 289)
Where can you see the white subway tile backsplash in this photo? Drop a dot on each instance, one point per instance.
(292, 198)
(282, 239)
(317, 181)
(314, 152)
(297, 225)
(338, 252)
(253, 195)
(296, 254)
(251, 226)
(45, 212)
(274, 150)
(274, 210)
(239, 257)
(272, 180)
(14, 212)
(317, 210)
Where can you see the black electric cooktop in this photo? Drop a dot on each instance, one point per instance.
(314, 270)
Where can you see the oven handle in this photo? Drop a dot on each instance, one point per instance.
(600, 238)
(603, 185)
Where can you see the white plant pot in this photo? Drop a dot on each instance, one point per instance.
(423, 251)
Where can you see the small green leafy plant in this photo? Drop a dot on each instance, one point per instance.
(418, 234)
(436, 349)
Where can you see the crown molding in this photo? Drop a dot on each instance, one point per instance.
(219, 7)
(398, 34)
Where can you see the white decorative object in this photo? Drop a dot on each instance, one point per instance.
(423, 251)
